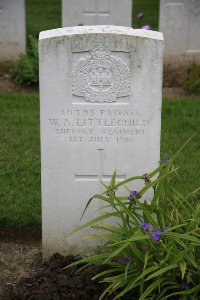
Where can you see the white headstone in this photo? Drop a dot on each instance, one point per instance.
(12, 30)
(100, 92)
(96, 12)
(180, 25)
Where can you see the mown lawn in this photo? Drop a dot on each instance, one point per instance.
(20, 160)
(42, 15)
(150, 9)
(180, 121)
(20, 154)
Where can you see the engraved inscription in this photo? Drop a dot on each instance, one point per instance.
(99, 126)
(101, 77)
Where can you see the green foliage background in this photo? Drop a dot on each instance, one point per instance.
(192, 83)
(42, 15)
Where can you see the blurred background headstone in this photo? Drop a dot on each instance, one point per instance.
(96, 12)
(12, 30)
(180, 25)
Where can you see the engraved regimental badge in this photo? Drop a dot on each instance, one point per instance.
(101, 77)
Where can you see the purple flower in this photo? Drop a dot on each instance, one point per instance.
(155, 236)
(146, 178)
(130, 197)
(145, 226)
(134, 193)
(147, 27)
(156, 233)
(140, 15)
(127, 259)
(165, 160)
(157, 230)
(184, 286)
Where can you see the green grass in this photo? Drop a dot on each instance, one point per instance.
(180, 121)
(42, 15)
(150, 8)
(20, 154)
(20, 160)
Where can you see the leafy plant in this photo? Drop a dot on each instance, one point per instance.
(153, 248)
(26, 70)
(192, 84)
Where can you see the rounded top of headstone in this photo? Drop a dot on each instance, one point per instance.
(98, 29)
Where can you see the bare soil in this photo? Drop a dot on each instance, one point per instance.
(17, 259)
(7, 85)
(24, 276)
(52, 281)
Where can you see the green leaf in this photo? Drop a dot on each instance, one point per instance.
(134, 238)
(176, 154)
(104, 273)
(103, 236)
(186, 292)
(128, 180)
(185, 237)
(146, 257)
(110, 228)
(107, 290)
(126, 270)
(183, 267)
(150, 288)
(112, 182)
(175, 227)
(161, 271)
(96, 220)
(136, 282)
(89, 259)
(117, 251)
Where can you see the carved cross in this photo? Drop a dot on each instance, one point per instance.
(100, 174)
(98, 10)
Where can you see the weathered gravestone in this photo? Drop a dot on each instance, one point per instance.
(180, 25)
(100, 92)
(96, 12)
(12, 30)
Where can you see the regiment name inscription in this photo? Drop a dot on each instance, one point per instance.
(99, 125)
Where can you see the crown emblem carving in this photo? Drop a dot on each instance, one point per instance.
(101, 76)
